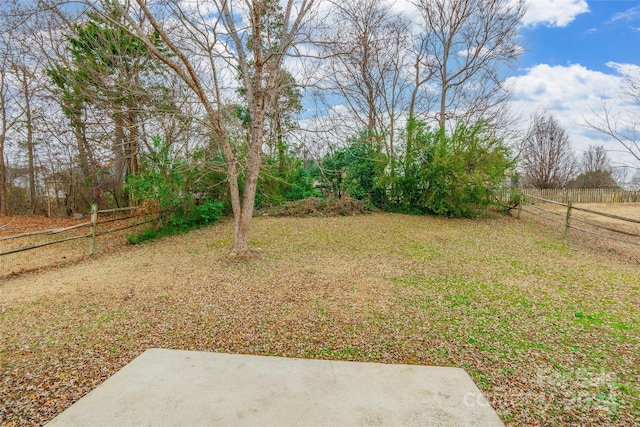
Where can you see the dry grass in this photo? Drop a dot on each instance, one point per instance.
(549, 330)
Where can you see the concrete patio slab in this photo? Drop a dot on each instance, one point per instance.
(186, 388)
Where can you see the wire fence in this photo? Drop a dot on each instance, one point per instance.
(138, 215)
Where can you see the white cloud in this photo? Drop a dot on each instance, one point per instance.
(632, 14)
(565, 84)
(553, 13)
(506, 49)
(625, 69)
(403, 7)
(572, 94)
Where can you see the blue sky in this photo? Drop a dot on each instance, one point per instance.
(576, 55)
(603, 31)
(577, 52)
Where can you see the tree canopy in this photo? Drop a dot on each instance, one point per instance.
(219, 101)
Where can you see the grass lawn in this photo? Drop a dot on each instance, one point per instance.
(548, 329)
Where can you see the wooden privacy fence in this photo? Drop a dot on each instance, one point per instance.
(92, 225)
(581, 195)
(536, 206)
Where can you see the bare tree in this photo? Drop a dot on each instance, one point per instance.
(632, 85)
(635, 180)
(6, 121)
(595, 159)
(547, 155)
(20, 91)
(26, 77)
(467, 43)
(595, 170)
(623, 126)
(24, 69)
(368, 59)
(207, 44)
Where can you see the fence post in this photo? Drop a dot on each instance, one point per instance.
(520, 202)
(94, 224)
(567, 222)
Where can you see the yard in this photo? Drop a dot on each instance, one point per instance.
(548, 328)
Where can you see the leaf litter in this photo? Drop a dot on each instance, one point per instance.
(548, 328)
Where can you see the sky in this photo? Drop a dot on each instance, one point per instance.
(575, 56)
(576, 53)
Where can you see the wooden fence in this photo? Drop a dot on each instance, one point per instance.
(539, 206)
(92, 233)
(584, 195)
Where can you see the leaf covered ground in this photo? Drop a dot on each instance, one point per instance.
(549, 329)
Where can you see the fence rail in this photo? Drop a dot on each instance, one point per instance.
(91, 235)
(534, 205)
(39, 232)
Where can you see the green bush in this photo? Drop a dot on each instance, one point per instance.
(451, 175)
(189, 217)
(181, 221)
(176, 187)
(356, 171)
(283, 180)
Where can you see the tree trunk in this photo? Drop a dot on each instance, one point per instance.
(442, 120)
(243, 221)
(87, 164)
(132, 146)
(408, 161)
(83, 158)
(241, 235)
(118, 149)
(280, 145)
(4, 211)
(29, 142)
(131, 149)
(32, 169)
